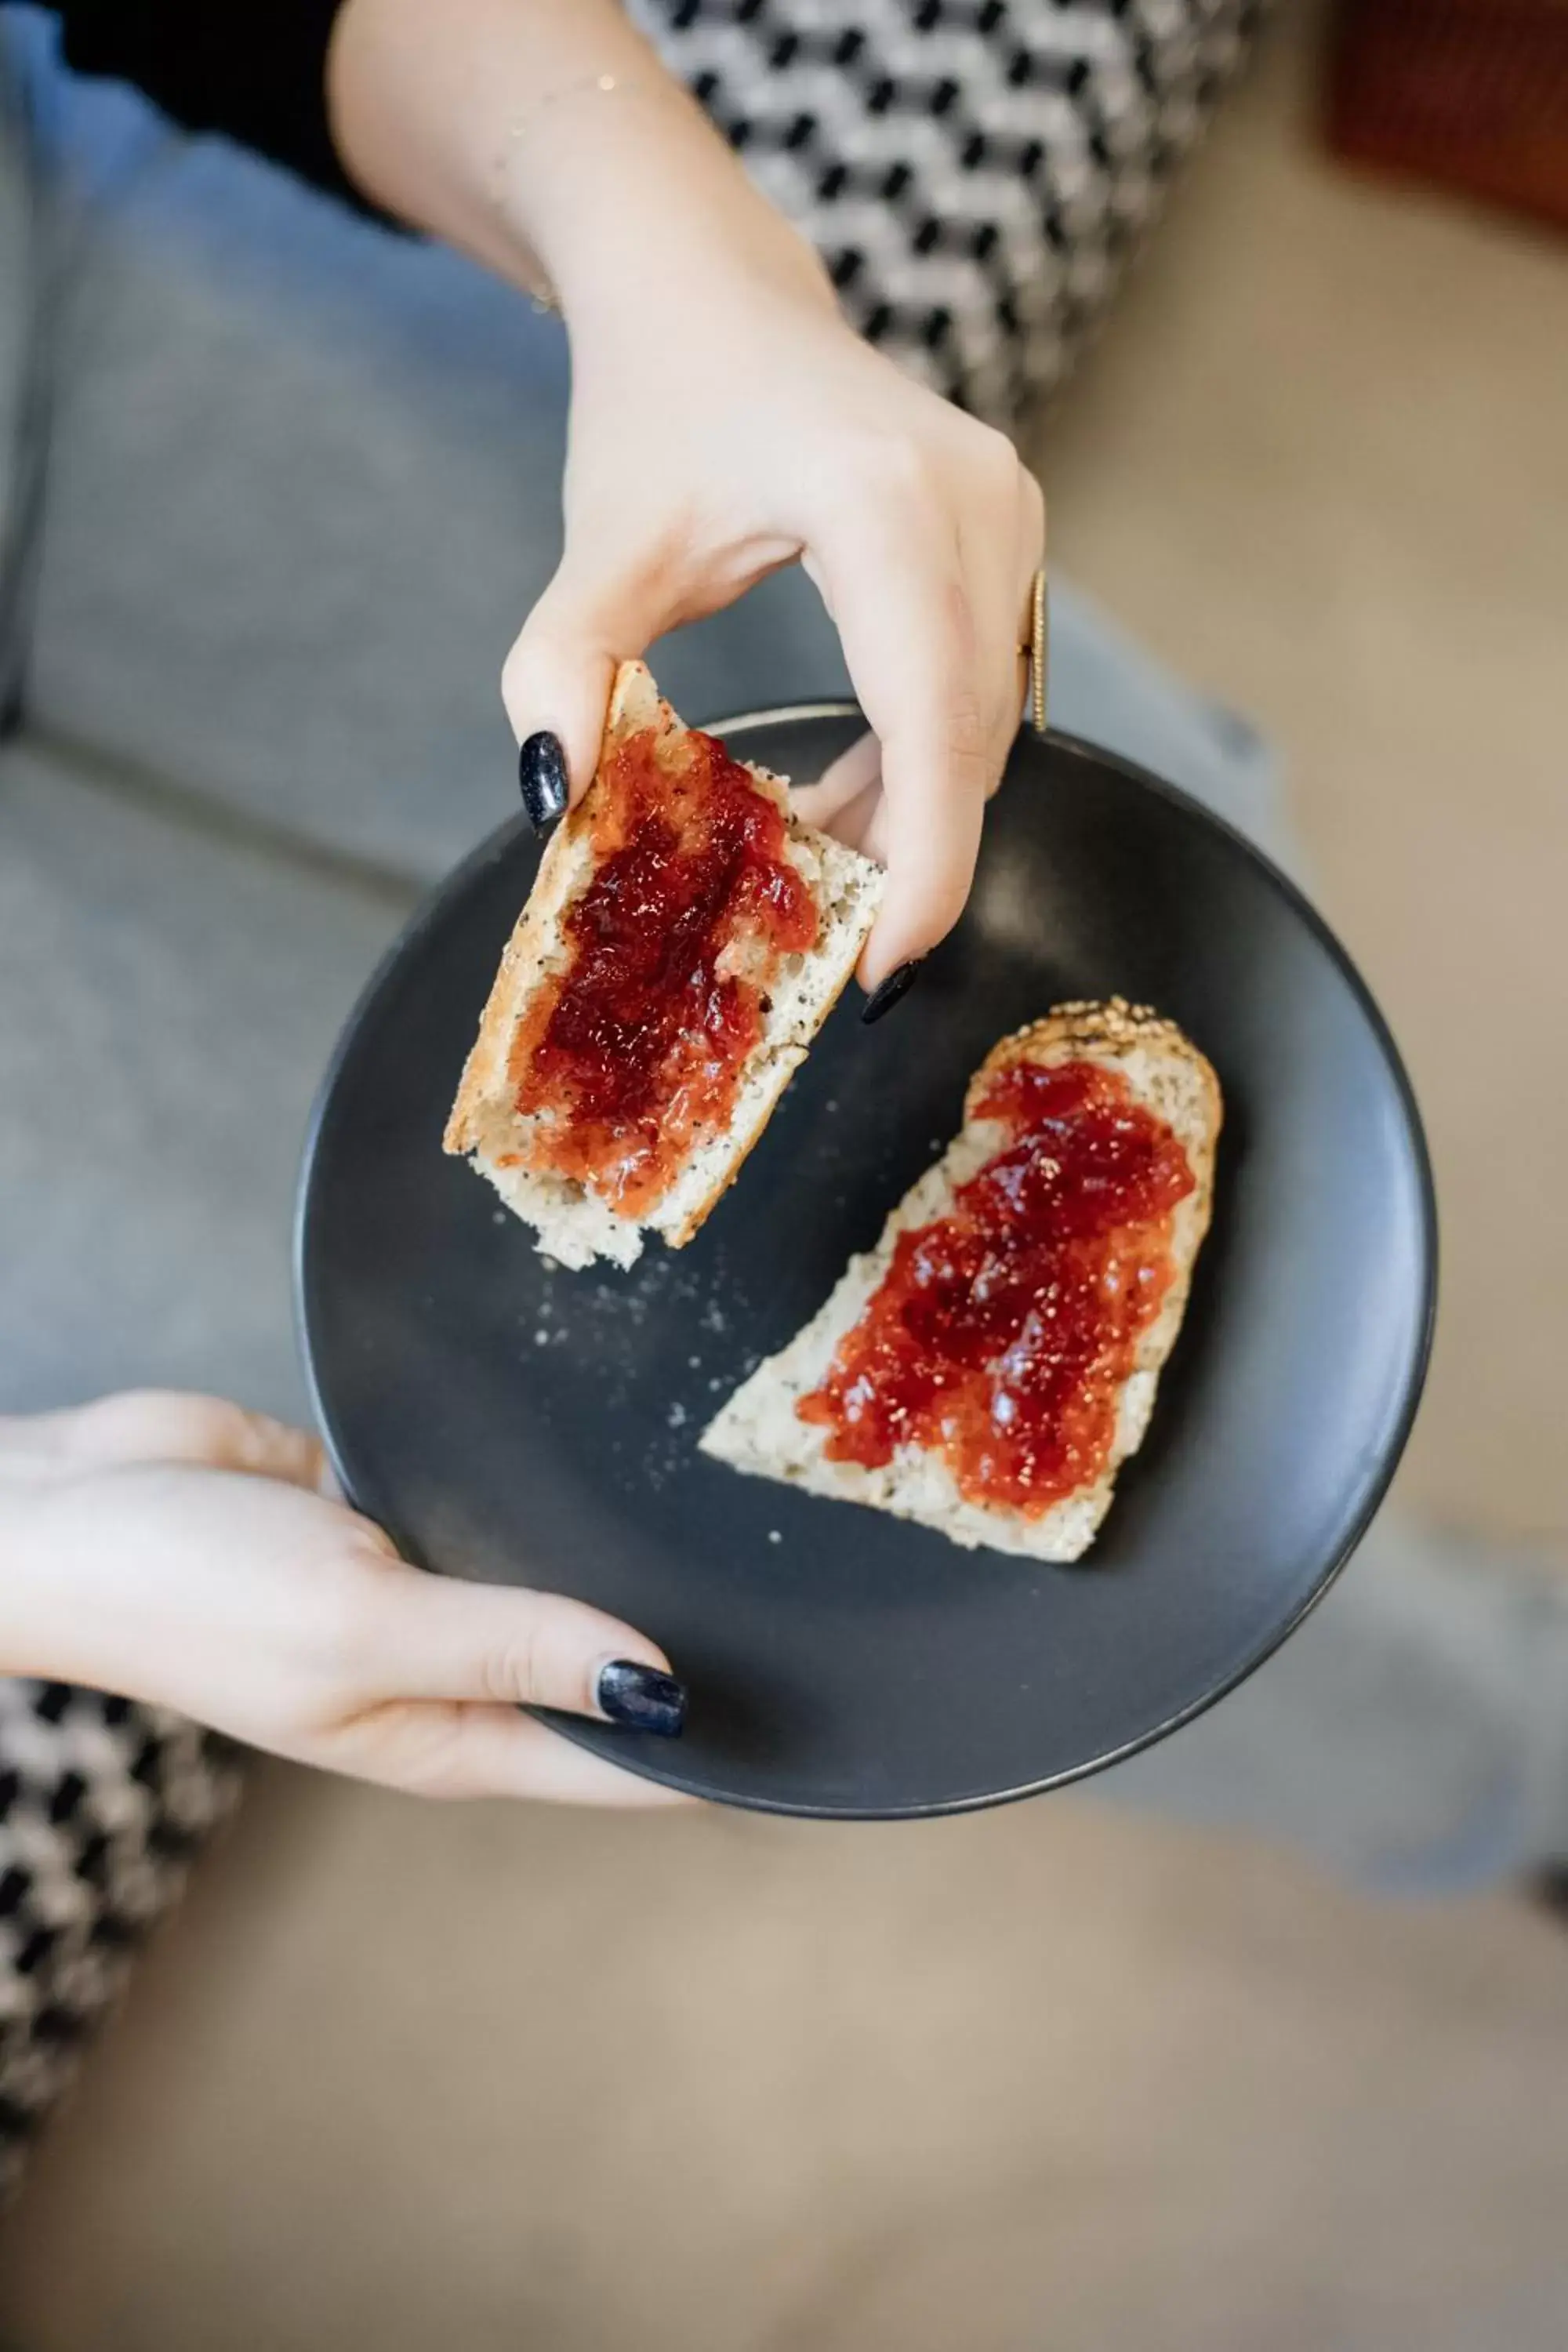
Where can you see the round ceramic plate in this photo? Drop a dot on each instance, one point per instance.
(512, 1423)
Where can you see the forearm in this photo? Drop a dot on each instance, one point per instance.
(546, 138)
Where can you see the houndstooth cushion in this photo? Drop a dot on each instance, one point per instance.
(102, 1806)
(973, 172)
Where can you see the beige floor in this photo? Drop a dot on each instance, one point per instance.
(1047, 2081)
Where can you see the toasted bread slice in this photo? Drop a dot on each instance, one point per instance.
(579, 1219)
(759, 1430)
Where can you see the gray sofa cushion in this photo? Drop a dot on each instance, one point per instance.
(17, 346)
(171, 992)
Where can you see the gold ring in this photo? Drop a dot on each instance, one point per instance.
(1035, 650)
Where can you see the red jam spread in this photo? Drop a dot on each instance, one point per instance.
(635, 1052)
(1002, 1333)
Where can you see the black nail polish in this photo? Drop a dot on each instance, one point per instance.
(542, 772)
(883, 998)
(642, 1699)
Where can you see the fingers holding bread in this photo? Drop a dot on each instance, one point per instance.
(558, 678)
(908, 626)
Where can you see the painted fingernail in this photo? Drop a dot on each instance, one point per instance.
(883, 998)
(642, 1699)
(542, 772)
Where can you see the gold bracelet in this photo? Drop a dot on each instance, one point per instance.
(1035, 650)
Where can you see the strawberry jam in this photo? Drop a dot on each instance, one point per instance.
(635, 1054)
(1002, 1333)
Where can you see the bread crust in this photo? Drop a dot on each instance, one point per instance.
(758, 1431)
(636, 708)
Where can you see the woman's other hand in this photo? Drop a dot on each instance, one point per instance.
(181, 1550)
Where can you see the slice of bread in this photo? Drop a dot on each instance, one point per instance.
(759, 1430)
(576, 1221)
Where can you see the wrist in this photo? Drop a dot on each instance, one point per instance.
(632, 207)
(695, 294)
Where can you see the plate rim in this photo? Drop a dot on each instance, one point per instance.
(587, 1732)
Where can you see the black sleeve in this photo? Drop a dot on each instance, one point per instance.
(257, 74)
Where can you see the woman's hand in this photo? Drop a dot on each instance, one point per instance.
(756, 428)
(725, 421)
(179, 1550)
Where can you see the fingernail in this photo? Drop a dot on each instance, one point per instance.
(542, 772)
(642, 1699)
(883, 998)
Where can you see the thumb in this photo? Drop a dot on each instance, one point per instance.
(441, 1639)
(556, 683)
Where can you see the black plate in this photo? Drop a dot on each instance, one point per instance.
(512, 1424)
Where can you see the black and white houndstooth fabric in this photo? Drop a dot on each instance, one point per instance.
(973, 172)
(103, 1804)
